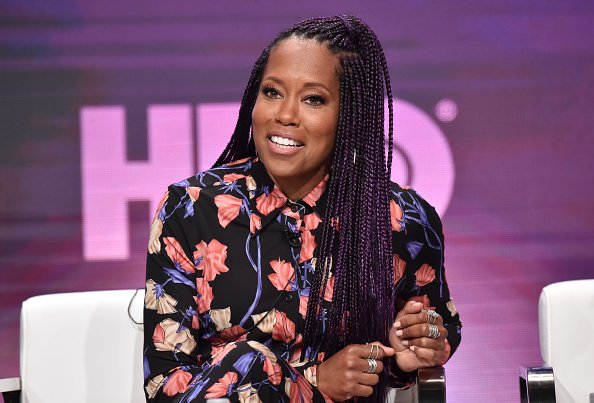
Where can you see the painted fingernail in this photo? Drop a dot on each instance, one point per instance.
(398, 332)
(412, 348)
(405, 342)
(397, 324)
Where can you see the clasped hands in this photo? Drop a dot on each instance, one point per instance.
(417, 340)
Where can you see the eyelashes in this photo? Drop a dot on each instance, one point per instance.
(310, 99)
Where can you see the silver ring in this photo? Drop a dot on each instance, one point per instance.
(432, 316)
(434, 332)
(372, 366)
(377, 353)
(370, 352)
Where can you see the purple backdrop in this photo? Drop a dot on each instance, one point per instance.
(101, 101)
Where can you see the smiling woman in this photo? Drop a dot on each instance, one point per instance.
(296, 113)
(293, 270)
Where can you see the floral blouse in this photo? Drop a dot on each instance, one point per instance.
(230, 260)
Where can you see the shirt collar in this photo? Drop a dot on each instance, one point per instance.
(315, 201)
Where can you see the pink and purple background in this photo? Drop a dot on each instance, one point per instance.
(104, 103)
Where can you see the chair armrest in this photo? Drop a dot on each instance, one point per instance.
(431, 385)
(537, 384)
(11, 389)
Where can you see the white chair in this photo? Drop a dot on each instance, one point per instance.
(566, 328)
(80, 347)
(87, 347)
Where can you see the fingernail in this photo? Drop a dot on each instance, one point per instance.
(417, 304)
(412, 348)
(397, 324)
(405, 342)
(398, 332)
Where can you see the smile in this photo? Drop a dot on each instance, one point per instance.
(284, 142)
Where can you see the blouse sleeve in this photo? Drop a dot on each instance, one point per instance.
(170, 311)
(419, 271)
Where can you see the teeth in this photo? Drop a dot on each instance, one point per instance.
(283, 141)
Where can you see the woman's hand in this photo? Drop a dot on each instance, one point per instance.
(409, 337)
(347, 373)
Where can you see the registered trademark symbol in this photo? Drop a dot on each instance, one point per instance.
(446, 110)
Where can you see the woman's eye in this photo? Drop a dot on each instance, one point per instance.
(315, 100)
(270, 92)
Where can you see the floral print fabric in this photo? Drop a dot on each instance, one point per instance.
(230, 261)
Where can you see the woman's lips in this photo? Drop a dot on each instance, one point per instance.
(283, 145)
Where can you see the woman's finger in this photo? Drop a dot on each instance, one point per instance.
(425, 342)
(430, 356)
(418, 318)
(421, 330)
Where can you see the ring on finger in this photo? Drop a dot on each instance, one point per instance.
(432, 316)
(434, 332)
(372, 366)
(370, 352)
(377, 352)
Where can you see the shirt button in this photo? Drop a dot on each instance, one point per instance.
(294, 208)
(288, 297)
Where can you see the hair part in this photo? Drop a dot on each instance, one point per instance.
(356, 230)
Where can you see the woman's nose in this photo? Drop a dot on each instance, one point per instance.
(287, 113)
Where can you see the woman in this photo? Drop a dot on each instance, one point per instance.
(283, 273)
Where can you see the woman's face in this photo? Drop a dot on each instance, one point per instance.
(296, 113)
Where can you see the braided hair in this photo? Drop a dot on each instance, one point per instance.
(356, 232)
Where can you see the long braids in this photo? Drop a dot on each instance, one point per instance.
(356, 233)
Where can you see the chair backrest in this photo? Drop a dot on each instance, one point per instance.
(566, 327)
(82, 347)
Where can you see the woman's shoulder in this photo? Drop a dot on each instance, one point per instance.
(224, 177)
(409, 209)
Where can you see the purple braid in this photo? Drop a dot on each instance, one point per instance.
(356, 230)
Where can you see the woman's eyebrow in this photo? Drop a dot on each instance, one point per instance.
(308, 84)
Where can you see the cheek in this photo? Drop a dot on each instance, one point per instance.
(258, 116)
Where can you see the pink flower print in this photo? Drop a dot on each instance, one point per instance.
(283, 272)
(211, 258)
(251, 185)
(232, 177)
(308, 244)
(154, 245)
(399, 267)
(273, 370)
(296, 355)
(169, 335)
(300, 390)
(161, 204)
(303, 305)
(218, 352)
(177, 255)
(289, 213)
(395, 216)
(236, 333)
(157, 299)
(312, 197)
(193, 192)
(228, 164)
(312, 221)
(329, 291)
(255, 223)
(425, 275)
(248, 394)
(265, 203)
(204, 295)
(177, 383)
(222, 386)
(195, 318)
(284, 328)
(228, 208)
